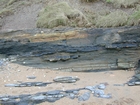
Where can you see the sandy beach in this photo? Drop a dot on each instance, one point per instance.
(121, 94)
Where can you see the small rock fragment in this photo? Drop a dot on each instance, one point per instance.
(4, 99)
(10, 85)
(137, 82)
(31, 77)
(51, 99)
(119, 84)
(53, 92)
(68, 79)
(101, 86)
(71, 96)
(38, 98)
(84, 97)
(91, 88)
(105, 96)
(98, 92)
(75, 92)
(137, 76)
(133, 81)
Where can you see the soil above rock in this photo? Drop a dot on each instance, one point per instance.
(20, 15)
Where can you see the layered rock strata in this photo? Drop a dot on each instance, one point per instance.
(73, 49)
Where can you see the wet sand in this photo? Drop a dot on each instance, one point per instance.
(121, 95)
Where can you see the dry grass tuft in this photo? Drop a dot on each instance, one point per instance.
(124, 3)
(88, 0)
(11, 2)
(134, 19)
(6, 12)
(60, 14)
(114, 19)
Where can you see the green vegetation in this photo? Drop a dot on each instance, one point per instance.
(11, 2)
(138, 7)
(8, 7)
(6, 12)
(114, 19)
(108, 1)
(134, 19)
(124, 3)
(88, 0)
(60, 14)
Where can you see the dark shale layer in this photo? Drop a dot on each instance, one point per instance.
(73, 49)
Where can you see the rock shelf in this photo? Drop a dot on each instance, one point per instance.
(52, 96)
(60, 49)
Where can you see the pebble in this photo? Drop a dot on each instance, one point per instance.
(84, 97)
(10, 85)
(72, 90)
(18, 70)
(98, 92)
(38, 98)
(91, 88)
(4, 99)
(68, 79)
(134, 81)
(27, 84)
(101, 86)
(71, 96)
(105, 96)
(53, 92)
(75, 92)
(22, 85)
(40, 84)
(51, 99)
(24, 62)
(119, 84)
(31, 77)
(137, 83)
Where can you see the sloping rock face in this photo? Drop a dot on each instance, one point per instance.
(74, 49)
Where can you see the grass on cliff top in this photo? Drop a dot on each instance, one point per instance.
(124, 3)
(60, 14)
(88, 0)
(5, 12)
(114, 19)
(8, 7)
(11, 2)
(52, 16)
(134, 19)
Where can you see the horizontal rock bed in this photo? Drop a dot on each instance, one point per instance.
(73, 49)
(52, 96)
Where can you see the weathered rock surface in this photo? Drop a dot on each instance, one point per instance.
(136, 78)
(28, 84)
(84, 97)
(51, 96)
(74, 49)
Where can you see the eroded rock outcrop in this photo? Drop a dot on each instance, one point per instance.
(74, 49)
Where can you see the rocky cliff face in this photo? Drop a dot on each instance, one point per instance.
(74, 49)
